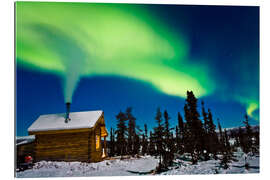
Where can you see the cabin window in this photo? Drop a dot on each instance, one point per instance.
(97, 142)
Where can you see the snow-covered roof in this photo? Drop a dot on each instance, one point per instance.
(79, 120)
(20, 140)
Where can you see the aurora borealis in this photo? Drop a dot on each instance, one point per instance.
(213, 51)
(106, 40)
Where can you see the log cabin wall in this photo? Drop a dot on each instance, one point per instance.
(96, 153)
(63, 146)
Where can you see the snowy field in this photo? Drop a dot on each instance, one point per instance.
(137, 166)
(213, 166)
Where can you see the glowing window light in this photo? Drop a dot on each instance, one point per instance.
(97, 142)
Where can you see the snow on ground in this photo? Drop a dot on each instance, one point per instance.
(137, 166)
(114, 167)
(213, 166)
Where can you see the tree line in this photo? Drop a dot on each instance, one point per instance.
(195, 135)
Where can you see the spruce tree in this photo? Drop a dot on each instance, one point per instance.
(257, 142)
(248, 135)
(227, 143)
(169, 142)
(121, 134)
(226, 154)
(189, 138)
(213, 142)
(152, 147)
(177, 139)
(206, 134)
(205, 118)
(143, 145)
(180, 134)
(221, 138)
(159, 136)
(241, 138)
(112, 142)
(145, 141)
(137, 144)
(167, 128)
(194, 128)
(180, 122)
(131, 132)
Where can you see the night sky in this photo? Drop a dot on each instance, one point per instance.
(112, 56)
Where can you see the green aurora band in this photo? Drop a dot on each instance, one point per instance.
(106, 39)
(75, 40)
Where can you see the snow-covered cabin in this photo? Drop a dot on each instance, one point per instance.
(24, 146)
(78, 139)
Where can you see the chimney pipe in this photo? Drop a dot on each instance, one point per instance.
(67, 112)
